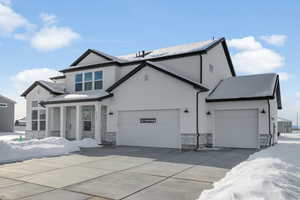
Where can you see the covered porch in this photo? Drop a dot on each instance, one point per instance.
(76, 121)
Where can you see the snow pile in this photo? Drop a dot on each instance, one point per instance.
(11, 151)
(86, 143)
(271, 174)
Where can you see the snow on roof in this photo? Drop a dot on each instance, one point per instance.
(77, 96)
(54, 87)
(173, 50)
(251, 86)
(8, 99)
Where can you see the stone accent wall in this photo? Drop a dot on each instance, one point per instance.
(264, 140)
(35, 134)
(109, 138)
(189, 140)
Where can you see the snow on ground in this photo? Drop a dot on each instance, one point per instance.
(270, 174)
(12, 150)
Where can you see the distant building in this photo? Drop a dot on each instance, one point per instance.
(21, 122)
(7, 114)
(284, 125)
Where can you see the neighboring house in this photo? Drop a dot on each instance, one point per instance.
(175, 97)
(21, 122)
(284, 125)
(7, 114)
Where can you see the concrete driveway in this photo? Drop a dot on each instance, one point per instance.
(129, 173)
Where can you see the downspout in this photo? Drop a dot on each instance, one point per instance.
(269, 116)
(197, 120)
(197, 107)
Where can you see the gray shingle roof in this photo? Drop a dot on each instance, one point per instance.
(243, 87)
(54, 87)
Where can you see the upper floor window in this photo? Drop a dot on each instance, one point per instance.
(98, 82)
(88, 81)
(78, 82)
(211, 68)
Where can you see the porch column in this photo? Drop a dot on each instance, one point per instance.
(78, 122)
(62, 121)
(47, 130)
(98, 122)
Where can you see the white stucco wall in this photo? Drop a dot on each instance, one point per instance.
(217, 58)
(160, 91)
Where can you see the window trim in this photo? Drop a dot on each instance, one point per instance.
(93, 81)
(38, 120)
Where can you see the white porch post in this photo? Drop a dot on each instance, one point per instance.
(47, 122)
(78, 122)
(62, 121)
(98, 122)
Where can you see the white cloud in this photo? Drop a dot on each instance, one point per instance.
(23, 79)
(277, 40)
(52, 38)
(10, 21)
(297, 94)
(253, 58)
(284, 76)
(48, 19)
(246, 43)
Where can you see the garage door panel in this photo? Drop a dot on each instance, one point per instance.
(236, 128)
(163, 133)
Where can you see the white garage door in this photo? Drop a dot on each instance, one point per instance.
(236, 128)
(155, 128)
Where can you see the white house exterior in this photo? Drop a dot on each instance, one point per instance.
(176, 97)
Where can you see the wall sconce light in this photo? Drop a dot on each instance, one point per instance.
(263, 111)
(186, 110)
(208, 113)
(110, 113)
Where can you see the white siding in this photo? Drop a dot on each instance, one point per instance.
(92, 58)
(159, 92)
(216, 57)
(36, 94)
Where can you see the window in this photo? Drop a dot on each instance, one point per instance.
(78, 82)
(42, 120)
(98, 82)
(88, 81)
(35, 104)
(87, 118)
(34, 119)
(211, 68)
(3, 105)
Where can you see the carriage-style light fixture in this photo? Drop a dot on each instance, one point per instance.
(263, 111)
(186, 110)
(208, 113)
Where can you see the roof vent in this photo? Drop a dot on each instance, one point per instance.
(142, 54)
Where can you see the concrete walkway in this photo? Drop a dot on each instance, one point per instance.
(129, 173)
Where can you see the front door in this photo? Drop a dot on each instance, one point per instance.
(70, 125)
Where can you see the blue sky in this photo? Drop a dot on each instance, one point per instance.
(49, 35)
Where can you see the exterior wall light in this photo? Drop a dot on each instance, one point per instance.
(186, 110)
(208, 113)
(263, 111)
(110, 113)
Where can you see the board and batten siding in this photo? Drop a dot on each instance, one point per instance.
(7, 115)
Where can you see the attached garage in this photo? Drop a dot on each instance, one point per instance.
(236, 128)
(153, 128)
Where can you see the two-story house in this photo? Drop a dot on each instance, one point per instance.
(175, 97)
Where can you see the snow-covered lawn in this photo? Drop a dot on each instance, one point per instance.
(270, 174)
(13, 150)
